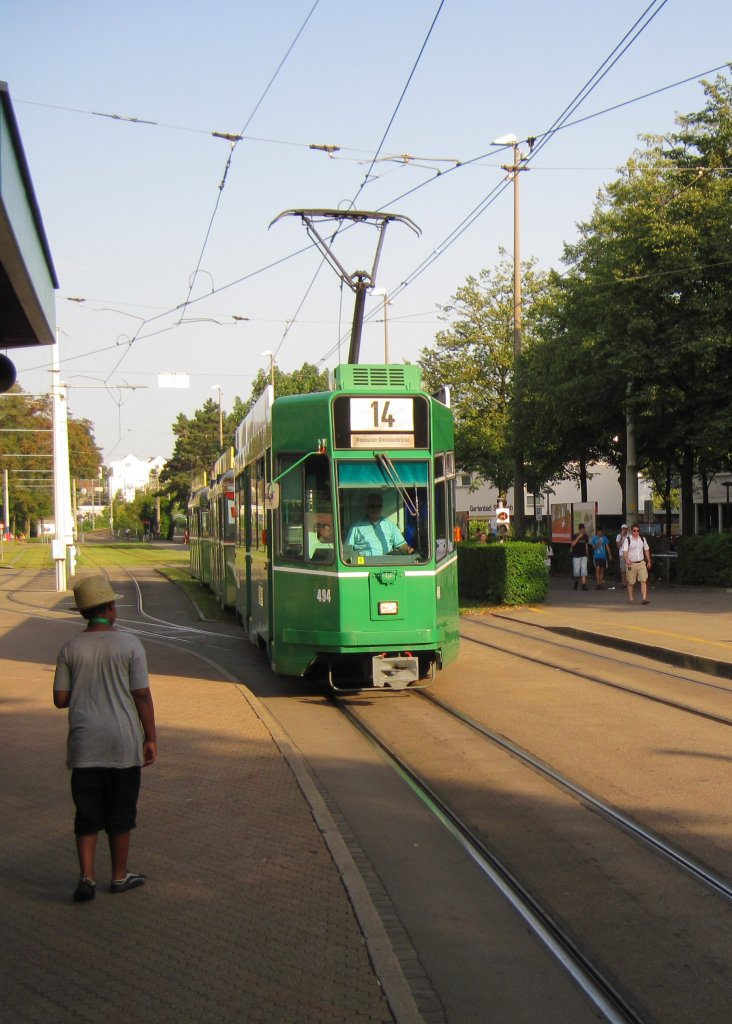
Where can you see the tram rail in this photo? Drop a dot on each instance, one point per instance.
(599, 989)
(604, 680)
(671, 853)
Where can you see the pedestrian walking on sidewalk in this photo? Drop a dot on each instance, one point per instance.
(637, 556)
(601, 556)
(619, 542)
(101, 677)
(580, 548)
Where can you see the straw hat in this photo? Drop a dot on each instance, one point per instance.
(92, 592)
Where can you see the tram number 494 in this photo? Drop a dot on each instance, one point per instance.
(322, 595)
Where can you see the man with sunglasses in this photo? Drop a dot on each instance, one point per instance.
(637, 557)
(374, 535)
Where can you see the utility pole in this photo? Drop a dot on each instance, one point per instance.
(631, 468)
(63, 545)
(514, 169)
(217, 387)
(382, 292)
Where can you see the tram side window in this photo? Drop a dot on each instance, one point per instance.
(305, 516)
(228, 516)
(241, 508)
(444, 508)
(257, 512)
(318, 508)
(290, 513)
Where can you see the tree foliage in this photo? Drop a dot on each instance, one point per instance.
(197, 446)
(649, 288)
(305, 381)
(26, 452)
(475, 356)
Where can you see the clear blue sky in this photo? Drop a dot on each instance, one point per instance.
(127, 206)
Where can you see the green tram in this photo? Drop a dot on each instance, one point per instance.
(345, 563)
(199, 530)
(222, 513)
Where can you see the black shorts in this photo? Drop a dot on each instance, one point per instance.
(105, 798)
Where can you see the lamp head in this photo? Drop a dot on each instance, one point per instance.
(505, 140)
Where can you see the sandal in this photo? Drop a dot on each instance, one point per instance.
(130, 881)
(85, 890)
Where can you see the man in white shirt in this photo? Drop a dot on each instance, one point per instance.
(619, 542)
(374, 535)
(637, 557)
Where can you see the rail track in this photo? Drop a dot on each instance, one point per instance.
(539, 644)
(595, 884)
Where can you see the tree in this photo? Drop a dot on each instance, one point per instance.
(475, 357)
(305, 381)
(571, 416)
(26, 451)
(197, 438)
(195, 451)
(648, 297)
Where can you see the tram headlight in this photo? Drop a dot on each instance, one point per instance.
(388, 607)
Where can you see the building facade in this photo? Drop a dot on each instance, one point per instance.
(478, 505)
(131, 474)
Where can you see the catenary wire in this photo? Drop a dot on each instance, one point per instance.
(352, 203)
(183, 306)
(467, 221)
(630, 37)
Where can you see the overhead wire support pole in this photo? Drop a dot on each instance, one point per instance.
(519, 164)
(64, 553)
(361, 280)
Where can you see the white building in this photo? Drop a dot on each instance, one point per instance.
(603, 491)
(132, 474)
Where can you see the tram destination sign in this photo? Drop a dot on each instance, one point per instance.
(380, 440)
(381, 421)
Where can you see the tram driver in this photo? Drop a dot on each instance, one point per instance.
(374, 535)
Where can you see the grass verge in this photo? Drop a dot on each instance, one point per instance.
(207, 605)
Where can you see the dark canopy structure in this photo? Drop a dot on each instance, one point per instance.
(27, 275)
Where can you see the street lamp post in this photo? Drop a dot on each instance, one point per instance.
(514, 170)
(271, 357)
(217, 387)
(727, 484)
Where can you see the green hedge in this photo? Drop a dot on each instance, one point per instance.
(706, 559)
(511, 573)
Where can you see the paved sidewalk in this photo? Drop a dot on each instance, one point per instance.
(254, 911)
(248, 914)
(685, 626)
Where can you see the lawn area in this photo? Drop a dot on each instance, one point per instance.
(37, 554)
(171, 561)
(200, 595)
(129, 554)
(31, 555)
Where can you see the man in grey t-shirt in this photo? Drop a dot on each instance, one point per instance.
(101, 677)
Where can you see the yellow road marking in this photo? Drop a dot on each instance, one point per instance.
(654, 632)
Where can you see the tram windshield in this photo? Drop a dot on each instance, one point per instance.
(384, 510)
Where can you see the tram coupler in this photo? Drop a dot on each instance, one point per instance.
(394, 673)
(388, 672)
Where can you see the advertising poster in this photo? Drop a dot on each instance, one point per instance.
(566, 517)
(561, 514)
(584, 512)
